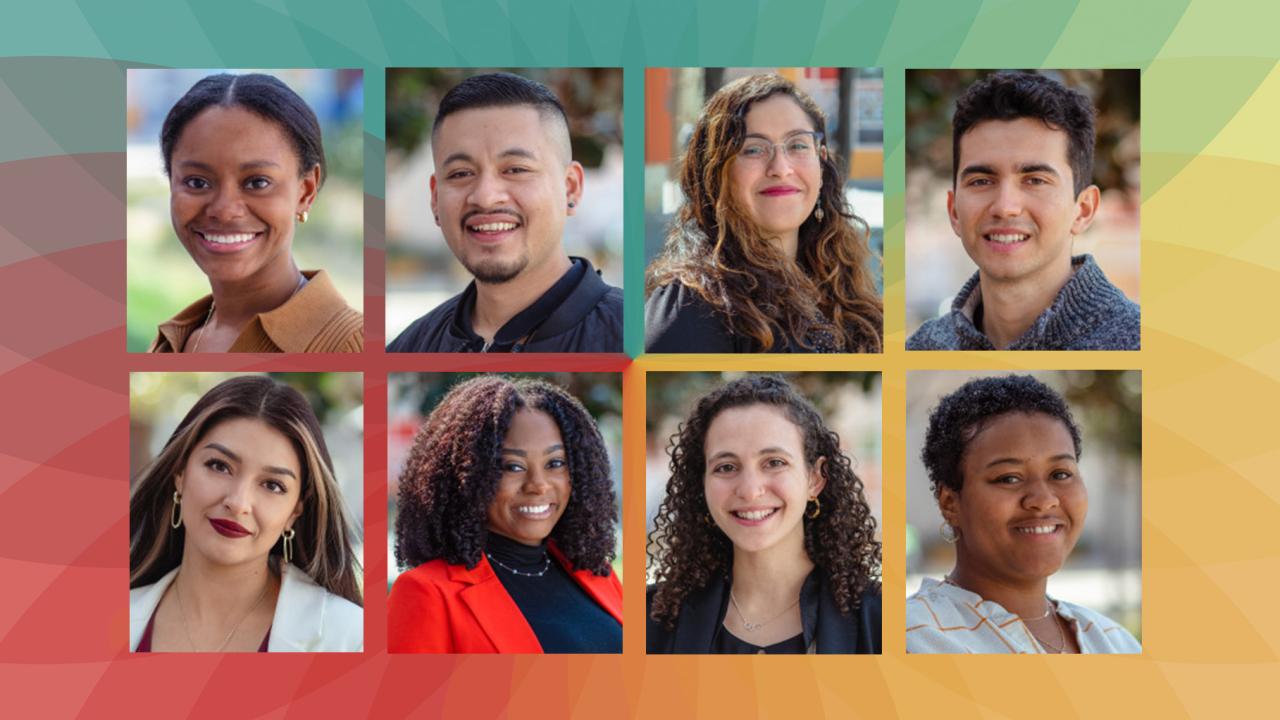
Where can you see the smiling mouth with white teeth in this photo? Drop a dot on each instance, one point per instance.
(1007, 238)
(492, 227)
(228, 238)
(1039, 529)
(754, 514)
(534, 511)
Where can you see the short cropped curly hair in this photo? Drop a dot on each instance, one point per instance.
(963, 414)
(1014, 95)
(691, 552)
(453, 469)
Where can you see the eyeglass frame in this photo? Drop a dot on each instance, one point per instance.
(817, 136)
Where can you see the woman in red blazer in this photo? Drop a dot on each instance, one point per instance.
(506, 519)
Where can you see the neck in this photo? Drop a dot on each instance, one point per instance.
(1010, 307)
(236, 303)
(772, 576)
(788, 242)
(220, 593)
(1026, 599)
(497, 303)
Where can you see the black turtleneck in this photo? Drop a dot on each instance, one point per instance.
(563, 617)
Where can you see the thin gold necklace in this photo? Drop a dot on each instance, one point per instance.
(1062, 638)
(302, 280)
(187, 629)
(750, 626)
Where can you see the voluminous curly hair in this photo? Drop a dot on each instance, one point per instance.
(1014, 95)
(714, 250)
(963, 414)
(691, 553)
(454, 466)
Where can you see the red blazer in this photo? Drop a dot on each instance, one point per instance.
(442, 608)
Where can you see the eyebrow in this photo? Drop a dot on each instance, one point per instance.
(273, 469)
(1023, 169)
(1022, 461)
(509, 152)
(549, 449)
(762, 451)
(784, 137)
(251, 165)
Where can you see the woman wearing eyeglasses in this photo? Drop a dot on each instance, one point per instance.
(765, 255)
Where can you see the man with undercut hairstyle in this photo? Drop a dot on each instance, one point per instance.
(504, 183)
(1022, 148)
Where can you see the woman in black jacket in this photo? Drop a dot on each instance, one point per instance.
(764, 542)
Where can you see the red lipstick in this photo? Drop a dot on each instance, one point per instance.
(228, 528)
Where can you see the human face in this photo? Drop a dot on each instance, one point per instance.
(779, 194)
(502, 189)
(534, 488)
(1023, 503)
(1014, 206)
(234, 190)
(756, 480)
(240, 490)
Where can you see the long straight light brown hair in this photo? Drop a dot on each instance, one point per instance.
(322, 548)
(717, 252)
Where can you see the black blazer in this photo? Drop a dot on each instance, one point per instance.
(826, 629)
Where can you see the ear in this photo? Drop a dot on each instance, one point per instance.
(573, 179)
(818, 477)
(1087, 204)
(949, 504)
(177, 482)
(310, 186)
(297, 513)
(951, 212)
(434, 201)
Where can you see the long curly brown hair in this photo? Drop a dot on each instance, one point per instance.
(454, 466)
(690, 553)
(714, 250)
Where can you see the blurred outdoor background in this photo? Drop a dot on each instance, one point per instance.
(936, 263)
(421, 271)
(849, 402)
(1104, 573)
(412, 396)
(851, 98)
(162, 277)
(159, 401)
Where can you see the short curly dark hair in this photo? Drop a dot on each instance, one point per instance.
(1013, 95)
(453, 469)
(963, 414)
(690, 552)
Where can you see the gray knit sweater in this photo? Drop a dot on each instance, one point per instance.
(1089, 314)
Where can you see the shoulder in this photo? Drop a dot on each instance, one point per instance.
(310, 618)
(1105, 318)
(936, 334)
(424, 334)
(658, 638)
(932, 619)
(344, 333)
(677, 319)
(433, 573)
(1101, 633)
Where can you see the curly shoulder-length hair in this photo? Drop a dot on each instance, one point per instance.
(453, 469)
(322, 548)
(690, 552)
(715, 250)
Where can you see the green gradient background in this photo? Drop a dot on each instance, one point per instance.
(1210, 358)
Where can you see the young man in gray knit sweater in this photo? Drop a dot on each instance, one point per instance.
(1022, 147)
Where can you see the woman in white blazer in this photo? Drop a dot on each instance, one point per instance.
(239, 541)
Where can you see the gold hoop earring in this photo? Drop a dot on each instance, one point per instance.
(817, 508)
(302, 216)
(288, 545)
(948, 533)
(175, 513)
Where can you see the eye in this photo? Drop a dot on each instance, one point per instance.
(556, 463)
(753, 151)
(979, 182)
(196, 183)
(217, 466)
(724, 468)
(775, 463)
(1035, 180)
(798, 145)
(258, 183)
(517, 170)
(1007, 480)
(511, 466)
(458, 174)
(275, 486)
(1062, 475)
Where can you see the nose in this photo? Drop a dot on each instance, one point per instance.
(1040, 496)
(778, 165)
(535, 481)
(489, 191)
(750, 485)
(227, 204)
(1008, 200)
(236, 501)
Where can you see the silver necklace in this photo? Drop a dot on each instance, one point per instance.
(302, 280)
(546, 565)
(750, 626)
(187, 629)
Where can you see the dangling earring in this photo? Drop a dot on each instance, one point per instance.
(288, 545)
(302, 216)
(817, 508)
(948, 533)
(175, 513)
(818, 214)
